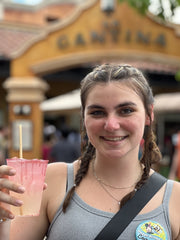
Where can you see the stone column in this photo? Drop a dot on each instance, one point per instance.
(24, 95)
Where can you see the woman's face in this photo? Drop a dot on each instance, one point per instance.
(114, 119)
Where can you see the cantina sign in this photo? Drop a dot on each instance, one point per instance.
(114, 32)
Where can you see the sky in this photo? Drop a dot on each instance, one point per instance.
(28, 2)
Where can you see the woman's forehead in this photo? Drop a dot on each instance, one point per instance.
(112, 91)
(113, 86)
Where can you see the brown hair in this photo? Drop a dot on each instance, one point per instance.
(133, 78)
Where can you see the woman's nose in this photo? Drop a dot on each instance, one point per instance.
(111, 123)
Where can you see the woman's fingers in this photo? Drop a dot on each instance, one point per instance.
(5, 213)
(6, 198)
(7, 171)
(6, 184)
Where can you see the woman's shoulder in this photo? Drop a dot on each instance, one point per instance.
(56, 168)
(56, 176)
(56, 179)
(176, 189)
(59, 169)
(175, 194)
(174, 209)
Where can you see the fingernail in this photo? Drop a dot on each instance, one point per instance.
(18, 202)
(11, 216)
(12, 171)
(21, 188)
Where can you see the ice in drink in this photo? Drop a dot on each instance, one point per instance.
(30, 174)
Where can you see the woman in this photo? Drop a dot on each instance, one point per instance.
(117, 112)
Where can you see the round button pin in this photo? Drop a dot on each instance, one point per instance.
(150, 230)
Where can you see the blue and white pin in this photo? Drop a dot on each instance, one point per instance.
(150, 230)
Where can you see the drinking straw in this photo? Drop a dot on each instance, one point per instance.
(21, 156)
(20, 141)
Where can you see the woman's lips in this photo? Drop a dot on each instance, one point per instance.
(114, 139)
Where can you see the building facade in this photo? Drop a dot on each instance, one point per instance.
(59, 43)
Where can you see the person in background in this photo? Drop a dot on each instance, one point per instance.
(4, 144)
(175, 166)
(83, 196)
(64, 150)
(49, 139)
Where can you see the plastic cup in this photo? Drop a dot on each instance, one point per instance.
(31, 174)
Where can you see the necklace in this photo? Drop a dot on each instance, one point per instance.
(110, 194)
(102, 182)
(118, 201)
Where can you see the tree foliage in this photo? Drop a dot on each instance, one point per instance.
(143, 5)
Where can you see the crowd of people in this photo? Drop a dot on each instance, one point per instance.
(61, 145)
(83, 196)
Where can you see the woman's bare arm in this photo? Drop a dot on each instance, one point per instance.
(175, 211)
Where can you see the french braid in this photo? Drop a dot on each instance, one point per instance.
(135, 79)
(88, 152)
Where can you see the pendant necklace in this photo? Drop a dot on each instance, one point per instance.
(118, 201)
(103, 184)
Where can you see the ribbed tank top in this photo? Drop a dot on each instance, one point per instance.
(82, 221)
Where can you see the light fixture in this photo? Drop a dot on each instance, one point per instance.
(22, 109)
(107, 5)
(26, 109)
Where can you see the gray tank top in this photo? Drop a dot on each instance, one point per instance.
(82, 221)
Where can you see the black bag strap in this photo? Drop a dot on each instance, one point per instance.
(127, 213)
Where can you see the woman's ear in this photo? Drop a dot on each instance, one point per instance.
(148, 120)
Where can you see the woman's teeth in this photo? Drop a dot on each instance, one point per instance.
(114, 138)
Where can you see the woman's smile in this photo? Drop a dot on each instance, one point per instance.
(113, 138)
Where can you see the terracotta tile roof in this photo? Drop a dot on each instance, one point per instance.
(11, 40)
(20, 26)
(39, 16)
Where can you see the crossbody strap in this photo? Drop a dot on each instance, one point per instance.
(127, 213)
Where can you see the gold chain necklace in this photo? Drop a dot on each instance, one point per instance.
(102, 182)
(110, 194)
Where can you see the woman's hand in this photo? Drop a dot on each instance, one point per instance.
(5, 186)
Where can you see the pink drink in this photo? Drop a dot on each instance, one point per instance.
(30, 174)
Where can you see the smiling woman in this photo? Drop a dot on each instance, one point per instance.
(82, 197)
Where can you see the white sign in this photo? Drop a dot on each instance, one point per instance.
(27, 132)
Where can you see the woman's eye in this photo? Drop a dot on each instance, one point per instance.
(97, 113)
(126, 111)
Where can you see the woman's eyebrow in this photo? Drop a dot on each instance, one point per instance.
(118, 106)
(95, 106)
(125, 104)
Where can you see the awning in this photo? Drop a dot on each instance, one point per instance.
(68, 102)
(167, 102)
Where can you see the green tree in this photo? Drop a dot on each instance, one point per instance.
(143, 5)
